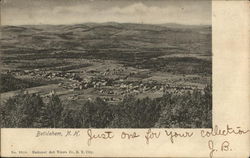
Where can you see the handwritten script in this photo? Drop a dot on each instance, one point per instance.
(171, 135)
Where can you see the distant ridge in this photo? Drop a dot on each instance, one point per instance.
(169, 25)
(176, 25)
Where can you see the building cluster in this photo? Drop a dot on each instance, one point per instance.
(108, 84)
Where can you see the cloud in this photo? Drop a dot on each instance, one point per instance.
(135, 13)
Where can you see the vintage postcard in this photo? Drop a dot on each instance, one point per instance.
(118, 78)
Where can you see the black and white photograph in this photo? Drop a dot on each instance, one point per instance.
(106, 64)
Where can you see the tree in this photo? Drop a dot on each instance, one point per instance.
(96, 114)
(124, 113)
(22, 111)
(54, 110)
(31, 108)
(147, 112)
(186, 110)
(71, 118)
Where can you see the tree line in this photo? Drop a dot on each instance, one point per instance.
(191, 109)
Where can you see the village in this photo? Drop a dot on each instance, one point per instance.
(112, 85)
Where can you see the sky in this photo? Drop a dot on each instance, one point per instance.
(55, 12)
